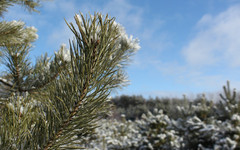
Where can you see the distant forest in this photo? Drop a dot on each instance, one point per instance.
(133, 107)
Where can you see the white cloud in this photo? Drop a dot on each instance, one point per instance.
(190, 79)
(217, 41)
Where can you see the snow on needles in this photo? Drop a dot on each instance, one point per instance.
(132, 43)
(64, 53)
(28, 34)
(123, 40)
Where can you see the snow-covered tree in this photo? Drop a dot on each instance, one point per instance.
(157, 132)
(197, 128)
(210, 126)
(228, 114)
(116, 135)
(228, 105)
(57, 102)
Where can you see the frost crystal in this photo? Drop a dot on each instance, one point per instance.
(124, 38)
(236, 117)
(64, 53)
(17, 23)
(79, 18)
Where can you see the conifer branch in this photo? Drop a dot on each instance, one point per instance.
(20, 89)
(66, 123)
(75, 110)
(229, 95)
(53, 78)
(6, 83)
(71, 102)
(30, 5)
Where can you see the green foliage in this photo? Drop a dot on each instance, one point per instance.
(116, 135)
(57, 102)
(15, 32)
(201, 124)
(155, 128)
(28, 4)
(131, 106)
(228, 94)
(229, 104)
(90, 65)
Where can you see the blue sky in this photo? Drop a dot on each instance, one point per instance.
(187, 47)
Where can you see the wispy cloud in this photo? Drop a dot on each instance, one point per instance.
(186, 79)
(125, 13)
(217, 41)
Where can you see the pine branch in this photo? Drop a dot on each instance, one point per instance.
(16, 33)
(53, 78)
(17, 62)
(30, 5)
(4, 4)
(30, 90)
(229, 95)
(94, 72)
(70, 94)
(6, 83)
(75, 110)
(66, 123)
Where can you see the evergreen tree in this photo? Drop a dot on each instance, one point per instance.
(228, 105)
(157, 132)
(117, 135)
(57, 102)
(227, 112)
